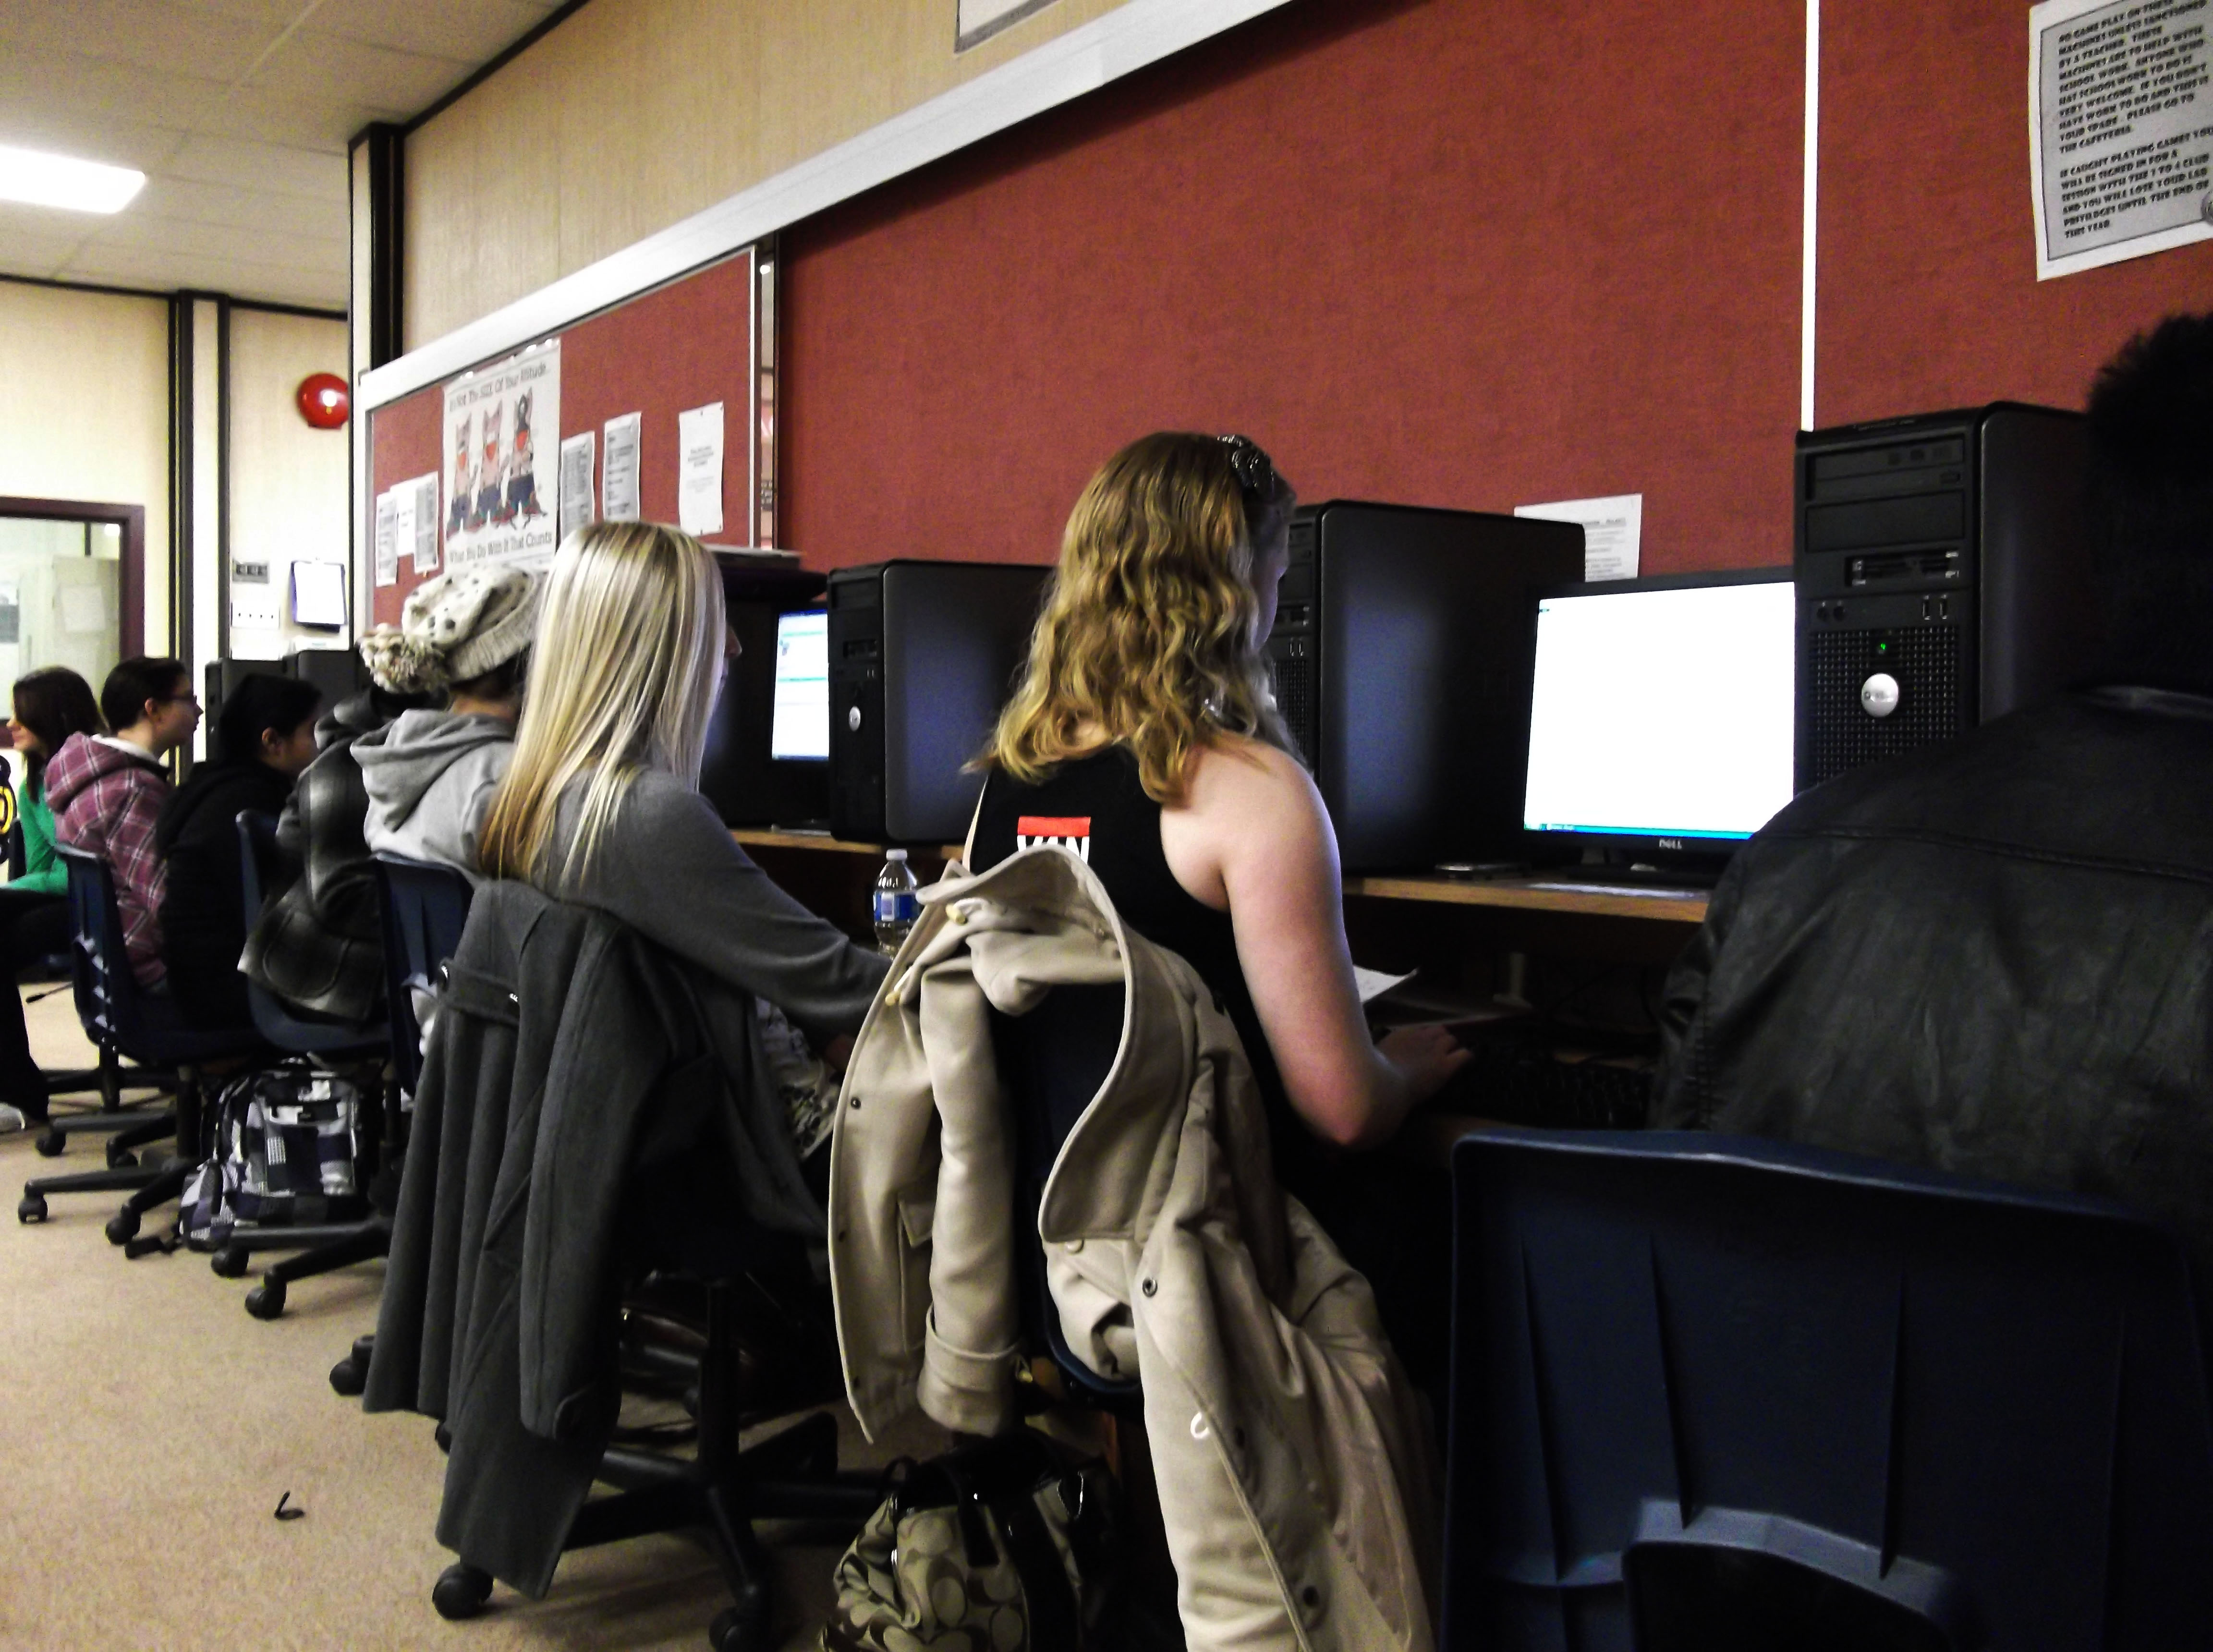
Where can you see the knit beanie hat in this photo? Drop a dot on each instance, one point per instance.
(453, 628)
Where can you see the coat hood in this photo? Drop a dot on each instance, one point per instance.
(84, 759)
(405, 759)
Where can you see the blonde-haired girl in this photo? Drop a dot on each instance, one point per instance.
(600, 804)
(1145, 714)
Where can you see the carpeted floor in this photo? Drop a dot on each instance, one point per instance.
(148, 1427)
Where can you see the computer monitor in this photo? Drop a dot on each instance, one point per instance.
(1662, 713)
(798, 726)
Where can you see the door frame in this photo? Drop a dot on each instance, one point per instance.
(131, 596)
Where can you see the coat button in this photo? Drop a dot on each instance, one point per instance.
(1148, 1287)
(1074, 1245)
(855, 1104)
(1310, 1598)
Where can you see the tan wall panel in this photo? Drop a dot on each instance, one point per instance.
(288, 481)
(634, 114)
(84, 411)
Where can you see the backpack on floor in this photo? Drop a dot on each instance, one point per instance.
(283, 1156)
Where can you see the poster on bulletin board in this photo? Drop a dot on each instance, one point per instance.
(503, 482)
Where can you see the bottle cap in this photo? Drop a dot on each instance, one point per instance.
(896, 855)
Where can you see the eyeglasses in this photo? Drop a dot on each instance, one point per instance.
(1255, 472)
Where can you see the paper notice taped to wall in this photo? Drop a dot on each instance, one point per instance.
(1613, 529)
(579, 453)
(2120, 130)
(424, 544)
(699, 475)
(620, 480)
(386, 565)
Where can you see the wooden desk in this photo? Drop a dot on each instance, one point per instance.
(1395, 921)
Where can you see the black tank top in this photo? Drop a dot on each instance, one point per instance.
(1095, 806)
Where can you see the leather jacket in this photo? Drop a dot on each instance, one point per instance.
(1995, 957)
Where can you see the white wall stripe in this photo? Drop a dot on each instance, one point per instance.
(1811, 232)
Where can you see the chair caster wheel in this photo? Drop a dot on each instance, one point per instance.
(229, 1264)
(31, 1207)
(51, 1143)
(461, 1591)
(133, 1249)
(266, 1300)
(123, 1226)
(348, 1379)
(121, 1158)
(734, 1630)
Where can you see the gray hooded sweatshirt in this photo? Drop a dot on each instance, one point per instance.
(430, 776)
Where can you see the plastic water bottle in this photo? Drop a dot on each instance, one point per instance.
(898, 903)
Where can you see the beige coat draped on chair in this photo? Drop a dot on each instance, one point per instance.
(1295, 1475)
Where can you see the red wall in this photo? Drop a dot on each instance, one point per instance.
(685, 345)
(1468, 252)
(1929, 297)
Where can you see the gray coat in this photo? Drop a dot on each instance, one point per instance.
(571, 1062)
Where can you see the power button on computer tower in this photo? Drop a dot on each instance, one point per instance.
(1879, 695)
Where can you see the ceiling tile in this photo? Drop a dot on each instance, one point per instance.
(246, 165)
(217, 242)
(159, 270)
(189, 201)
(470, 32)
(149, 33)
(324, 68)
(36, 243)
(89, 134)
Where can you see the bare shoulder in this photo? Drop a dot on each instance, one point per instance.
(1250, 795)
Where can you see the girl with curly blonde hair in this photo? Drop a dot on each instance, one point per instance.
(1144, 735)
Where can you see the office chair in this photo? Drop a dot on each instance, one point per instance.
(321, 1248)
(123, 1019)
(1721, 1394)
(425, 908)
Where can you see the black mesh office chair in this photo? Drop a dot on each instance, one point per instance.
(322, 1247)
(1714, 1394)
(123, 1019)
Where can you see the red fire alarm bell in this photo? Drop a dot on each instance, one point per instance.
(324, 401)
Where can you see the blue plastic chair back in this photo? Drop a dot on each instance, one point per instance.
(117, 1012)
(1718, 1394)
(426, 907)
(258, 860)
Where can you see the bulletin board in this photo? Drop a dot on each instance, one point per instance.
(680, 346)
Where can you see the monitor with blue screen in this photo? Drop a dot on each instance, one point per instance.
(799, 726)
(1662, 713)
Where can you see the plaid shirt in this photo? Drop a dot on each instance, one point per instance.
(106, 799)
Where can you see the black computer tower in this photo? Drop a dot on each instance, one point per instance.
(1403, 652)
(923, 655)
(1944, 578)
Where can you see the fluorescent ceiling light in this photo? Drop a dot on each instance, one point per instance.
(42, 179)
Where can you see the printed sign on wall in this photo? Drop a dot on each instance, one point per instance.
(503, 482)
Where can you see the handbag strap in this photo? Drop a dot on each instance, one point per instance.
(1054, 1621)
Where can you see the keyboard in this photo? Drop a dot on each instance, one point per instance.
(1552, 1078)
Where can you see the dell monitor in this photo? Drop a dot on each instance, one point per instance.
(799, 723)
(1661, 713)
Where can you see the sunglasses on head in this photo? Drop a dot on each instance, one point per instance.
(1255, 472)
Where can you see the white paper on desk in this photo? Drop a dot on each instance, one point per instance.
(699, 474)
(1373, 982)
(425, 490)
(620, 477)
(387, 542)
(579, 453)
(1613, 529)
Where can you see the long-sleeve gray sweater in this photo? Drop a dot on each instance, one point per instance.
(669, 869)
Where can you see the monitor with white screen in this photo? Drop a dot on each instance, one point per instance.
(1662, 711)
(799, 728)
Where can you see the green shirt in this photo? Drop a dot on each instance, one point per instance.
(42, 873)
